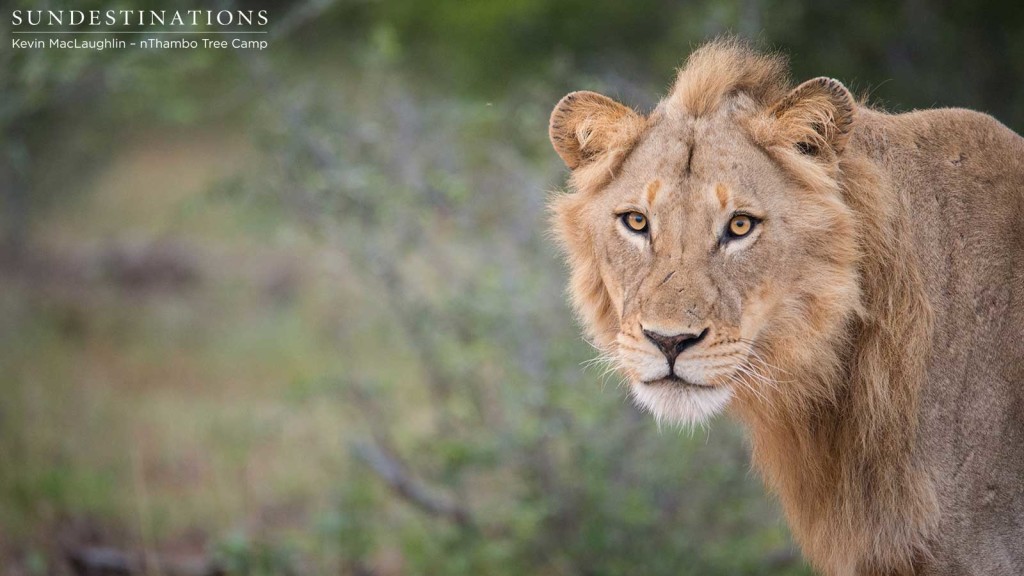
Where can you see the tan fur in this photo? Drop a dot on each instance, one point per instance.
(723, 67)
(652, 191)
(867, 331)
(723, 195)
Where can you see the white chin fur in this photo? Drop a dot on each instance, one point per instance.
(680, 404)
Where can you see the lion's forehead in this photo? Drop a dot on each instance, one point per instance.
(687, 159)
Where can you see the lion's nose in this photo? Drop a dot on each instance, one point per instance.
(672, 346)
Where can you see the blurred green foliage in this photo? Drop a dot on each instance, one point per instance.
(297, 309)
(904, 55)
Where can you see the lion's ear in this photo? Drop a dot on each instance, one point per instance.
(815, 118)
(586, 126)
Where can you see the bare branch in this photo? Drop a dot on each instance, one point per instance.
(412, 490)
(101, 561)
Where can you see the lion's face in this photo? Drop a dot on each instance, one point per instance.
(702, 253)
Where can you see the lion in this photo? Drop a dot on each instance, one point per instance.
(847, 283)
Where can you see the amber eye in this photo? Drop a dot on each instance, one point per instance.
(740, 225)
(635, 221)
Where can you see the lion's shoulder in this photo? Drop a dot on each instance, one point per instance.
(937, 131)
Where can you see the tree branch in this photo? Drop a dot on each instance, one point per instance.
(398, 478)
(101, 561)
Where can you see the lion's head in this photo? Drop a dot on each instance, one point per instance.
(710, 242)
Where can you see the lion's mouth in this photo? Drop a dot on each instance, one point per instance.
(675, 381)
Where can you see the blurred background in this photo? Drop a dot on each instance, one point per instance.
(296, 311)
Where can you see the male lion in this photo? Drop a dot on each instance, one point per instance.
(849, 283)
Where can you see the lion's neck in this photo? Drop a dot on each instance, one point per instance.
(849, 485)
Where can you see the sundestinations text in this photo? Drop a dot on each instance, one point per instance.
(140, 18)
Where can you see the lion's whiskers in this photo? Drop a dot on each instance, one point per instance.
(609, 362)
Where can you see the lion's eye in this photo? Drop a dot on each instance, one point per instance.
(635, 221)
(740, 225)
